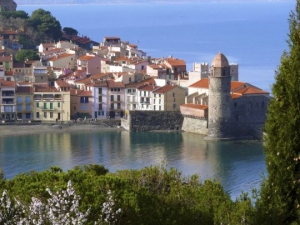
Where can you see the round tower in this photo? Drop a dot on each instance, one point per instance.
(219, 99)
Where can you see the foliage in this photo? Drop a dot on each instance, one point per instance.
(280, 198)
(152, 195)
(46, 26)
(24, 54)
(17, 14)
(70, 31)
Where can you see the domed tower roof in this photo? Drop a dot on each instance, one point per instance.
(220, 60)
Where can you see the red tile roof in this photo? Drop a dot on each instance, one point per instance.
(86, 57)
(164, 89)
(113, 84)
(203, 83)
(62, 83)
(195, 106)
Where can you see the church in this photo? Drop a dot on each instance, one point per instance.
(222, 108)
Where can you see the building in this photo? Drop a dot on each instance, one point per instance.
(24, 102)
(224, 109)
(50, 104)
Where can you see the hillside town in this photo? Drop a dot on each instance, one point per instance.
(77, 79)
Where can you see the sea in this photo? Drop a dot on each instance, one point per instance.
(252, 34)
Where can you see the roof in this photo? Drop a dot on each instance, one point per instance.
(236, 84)
(220, 60)
(5, 83)
(195, 106)
(148, 81)
(113, 84)
(48, 45)
(65, 55)
(175, 62)
(203, 83)
(44, 88)
(250, 90)
(164, 89)
(62, 83)
(24, 90)
(86, 57)
(147, 88)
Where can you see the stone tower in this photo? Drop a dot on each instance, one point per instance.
(219, 113)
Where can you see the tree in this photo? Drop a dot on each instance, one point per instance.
(45, 25)
(70, 31)
(17, 14)
(22, 55)
(280, 192)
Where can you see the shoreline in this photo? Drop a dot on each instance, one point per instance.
(17, 130)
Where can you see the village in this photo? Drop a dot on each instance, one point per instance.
(78, 79)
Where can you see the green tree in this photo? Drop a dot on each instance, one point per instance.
(45, 25)
(70, 31)
(30, 54)
(17, 14)
(280, 192)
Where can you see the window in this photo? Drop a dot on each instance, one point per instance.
(19, 108)
(45, 114)
(263, 105)
(37, 104)
(235, 104)
(154, 107)
(28, 115)
(27, 99)
(28, 107)
(51, 105)
(118, 97)
(119, 106)
(159, 101)
(51, 115)
(154, 101)
(100, 98)
(129, 79)
(37, 115)
(112, 106)
(84, 99)
(45, 105)
(129, 91)
(100, 106)
(19, 99)
(112, 98)
(58, 105)
(100, 91)
(173, 94)
(159, 108)
(174, 106)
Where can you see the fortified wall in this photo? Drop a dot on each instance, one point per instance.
(152, 120)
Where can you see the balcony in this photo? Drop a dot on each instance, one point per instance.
(11, 102)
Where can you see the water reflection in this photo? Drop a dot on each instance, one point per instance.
(238, 165)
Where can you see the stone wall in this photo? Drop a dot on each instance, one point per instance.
(195, 125)
(152, 120)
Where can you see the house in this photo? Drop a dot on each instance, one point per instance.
(24, 102)
(116, 99)
(62, 60)
(6, 63)
(8, 101)
(99, 91)
(50, 104)
(90, 63)
(132, 95)
(168, 98)
(81, 104)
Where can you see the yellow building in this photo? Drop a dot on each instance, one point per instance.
(24, 102)
(50, 104)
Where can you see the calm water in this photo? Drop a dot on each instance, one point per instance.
(252, 34)
(238, 165)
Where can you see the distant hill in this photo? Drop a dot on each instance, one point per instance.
(47, 2)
